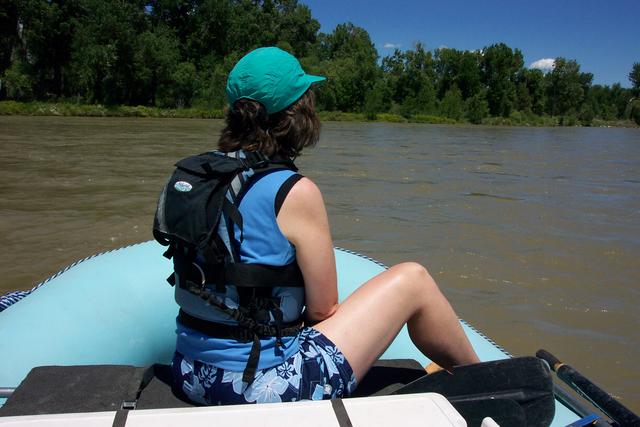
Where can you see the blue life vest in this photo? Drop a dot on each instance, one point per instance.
(262, 243)
(239, 287)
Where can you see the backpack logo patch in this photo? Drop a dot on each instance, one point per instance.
(182, 186)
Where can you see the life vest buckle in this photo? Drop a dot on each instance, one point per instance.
(203, 277)
(256, 160)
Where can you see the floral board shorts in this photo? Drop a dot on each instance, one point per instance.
(318, 371)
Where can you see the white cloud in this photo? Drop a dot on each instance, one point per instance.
(545, 64)
(392, 45)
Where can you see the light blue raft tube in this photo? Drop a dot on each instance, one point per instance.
(116, 308)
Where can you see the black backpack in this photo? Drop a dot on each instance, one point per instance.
(195, 218)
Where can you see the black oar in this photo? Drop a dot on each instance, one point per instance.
(6, 392)
(587, 389)
(514, 392)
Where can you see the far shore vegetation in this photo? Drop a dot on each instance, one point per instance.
(167, 58)
(67, 109)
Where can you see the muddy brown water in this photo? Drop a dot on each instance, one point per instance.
(533, 233)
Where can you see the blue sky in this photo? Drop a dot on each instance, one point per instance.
(602, 36)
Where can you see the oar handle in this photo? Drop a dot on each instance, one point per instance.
(587, 389)
(553, 361)
(6, 392)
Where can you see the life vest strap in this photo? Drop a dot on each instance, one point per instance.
(261, 275)
(239, 333)
(236, 332)
(253, 275)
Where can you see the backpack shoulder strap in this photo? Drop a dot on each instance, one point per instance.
(284, 190)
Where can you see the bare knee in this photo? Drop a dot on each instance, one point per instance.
(415, 278)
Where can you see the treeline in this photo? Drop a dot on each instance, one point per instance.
(177, 54)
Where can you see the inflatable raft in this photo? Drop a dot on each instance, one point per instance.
(116, 309)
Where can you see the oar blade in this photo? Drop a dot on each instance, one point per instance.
(525, 382)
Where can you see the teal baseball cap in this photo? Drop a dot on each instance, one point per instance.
(270, 76)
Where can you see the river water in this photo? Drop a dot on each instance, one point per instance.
(532, 233)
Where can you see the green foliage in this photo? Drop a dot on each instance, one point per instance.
(340, 116)
(17, 83)
(99, 110)
(602, 101)
(534, 81)
(587, 114)
(620, 98)
(635, 111)
(184, 84)
(518, 118)
(126, 57)
(460, 68)
(212, 80)
(477, 108)
(500, 66)
(8, 34)
(391, 118)
(634, 78)
(349, 60)
(569, 120)
(567, 87)
(376, 100)
(346, 85)
(156, 60)
(435, 120)
(452, 105)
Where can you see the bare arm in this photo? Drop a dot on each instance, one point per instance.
(303, 220)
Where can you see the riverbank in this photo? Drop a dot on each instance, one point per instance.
(12, 108)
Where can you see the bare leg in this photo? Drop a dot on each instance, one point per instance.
(370, 318)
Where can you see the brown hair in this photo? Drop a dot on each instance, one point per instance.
(286, 132)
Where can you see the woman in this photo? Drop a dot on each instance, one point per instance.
(285, 221)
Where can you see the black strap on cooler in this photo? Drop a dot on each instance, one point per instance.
(342, 416)
(129, 404)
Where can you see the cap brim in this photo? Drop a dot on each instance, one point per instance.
(314, 79)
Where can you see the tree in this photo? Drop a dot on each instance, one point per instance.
(394, 75)
(9, 38)
(349, 60)
(156, 57)
(418, 79)
(212, 78)
(39, 36)
(567, 87)
(461, 68)
(297, 27)
(451, 105)
(601, 101)
(524, 102)
(17, 83)
(635, 112)
(179, 53)
(501, 66)
(184, 84)
(620, 97)
(103, 60)
(535, 85)
(477, 108)
(205, 31)
(180, 16)
(377, 100)
(634, 78)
